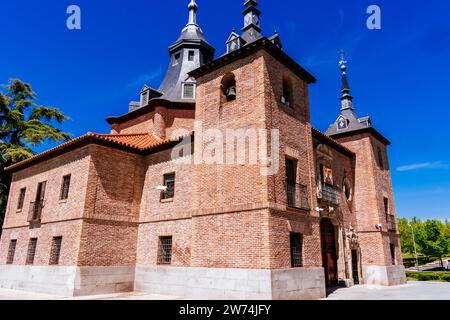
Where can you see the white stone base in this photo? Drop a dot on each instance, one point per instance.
(232, 284)
(384, 275)
(67, 281)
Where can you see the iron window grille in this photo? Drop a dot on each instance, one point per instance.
(31, 251)
(65, 188)
(296, 250)
(165, 250)
(21, 198)
(55, 252)
(11, 252)
(188, 91)
(169, 183)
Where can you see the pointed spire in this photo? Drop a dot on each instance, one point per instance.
(346, 98)
(252, 26)
(193, 7)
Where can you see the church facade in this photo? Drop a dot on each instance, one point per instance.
(134, 210)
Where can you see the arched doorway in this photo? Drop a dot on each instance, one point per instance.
(329, 252)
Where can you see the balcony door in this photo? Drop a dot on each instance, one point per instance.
(329, 252)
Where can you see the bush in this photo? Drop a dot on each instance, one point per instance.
(428, 277)
(445, 277)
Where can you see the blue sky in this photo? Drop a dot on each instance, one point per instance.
(400, 75)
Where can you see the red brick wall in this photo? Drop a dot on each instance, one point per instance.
(372, 185)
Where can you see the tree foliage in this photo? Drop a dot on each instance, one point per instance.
(23, 125)
(432, 237)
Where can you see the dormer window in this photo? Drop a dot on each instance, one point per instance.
(342, 123)
(188, 91)
(287, 96)
(229, 87)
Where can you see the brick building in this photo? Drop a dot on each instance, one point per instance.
(135, 210)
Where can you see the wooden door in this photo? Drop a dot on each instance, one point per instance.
(329, 252)
(355, 266)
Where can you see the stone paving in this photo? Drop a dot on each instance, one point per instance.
(411, 291)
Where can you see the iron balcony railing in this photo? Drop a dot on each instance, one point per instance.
(391, 223)
(329, 194)
(35, 211)
(297, 196)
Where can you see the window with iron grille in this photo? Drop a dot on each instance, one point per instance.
(55, 251)
(65, 188)
(31, 250)
(169, 183)
(11, 252)
(165, 250)
(188, 91)
(296, 250)
(21, 198)
(291, 181)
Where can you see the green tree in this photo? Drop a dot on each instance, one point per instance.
(23, 125)
(432, 240)
(406, 238)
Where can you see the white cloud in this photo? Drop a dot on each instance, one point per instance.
(425, 165)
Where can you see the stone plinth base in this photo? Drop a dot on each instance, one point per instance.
(384, 276)
(232, 284)
(67, 281)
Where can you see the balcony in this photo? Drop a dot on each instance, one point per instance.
(329, 194)
(297, 196)
(391, 222)
(34, 216)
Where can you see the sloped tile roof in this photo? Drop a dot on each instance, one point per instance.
(135, 142)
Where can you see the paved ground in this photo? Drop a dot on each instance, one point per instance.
(412, 291)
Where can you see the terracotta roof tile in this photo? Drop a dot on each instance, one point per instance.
(136, 141)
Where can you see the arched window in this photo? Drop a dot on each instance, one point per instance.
(229, 87)
(287, 96)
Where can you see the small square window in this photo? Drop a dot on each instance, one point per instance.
(21, 198)
(169, 183)
(165, 250)
(11, 252)
(188, 91)
(296, 250)
(65, 188)
(55, 250)
(191, 55)
(31, 250)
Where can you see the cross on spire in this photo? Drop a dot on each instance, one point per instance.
(193, 7)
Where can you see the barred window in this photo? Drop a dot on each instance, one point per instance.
(55, 251)
(65, 188)
(21, 198)
(296, 250)
(165, 250)
(188, 91)
(31, 250)
(169, 183)
(11, 252)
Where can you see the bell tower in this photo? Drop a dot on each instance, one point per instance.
(373, 196)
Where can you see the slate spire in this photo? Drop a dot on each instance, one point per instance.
(346, 98)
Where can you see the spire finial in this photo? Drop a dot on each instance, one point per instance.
(346, 98)
(193, 7)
